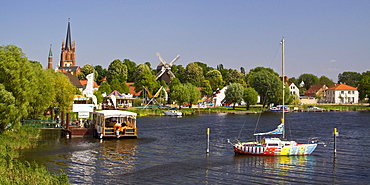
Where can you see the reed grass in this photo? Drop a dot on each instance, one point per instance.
(13, 170)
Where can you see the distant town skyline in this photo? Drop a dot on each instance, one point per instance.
(323, 38)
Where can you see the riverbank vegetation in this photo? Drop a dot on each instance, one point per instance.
(14, 170)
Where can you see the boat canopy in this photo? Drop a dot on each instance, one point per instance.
(116, 113)
(278, 130)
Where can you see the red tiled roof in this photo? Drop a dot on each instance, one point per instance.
(341, 87)
(84, 82)
(314, 89)
(131, 88)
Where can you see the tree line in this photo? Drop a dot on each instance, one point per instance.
(208, 80)
(27, 90)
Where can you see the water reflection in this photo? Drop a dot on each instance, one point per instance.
(279, 167)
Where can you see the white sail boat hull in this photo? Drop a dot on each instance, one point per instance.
(274, 147)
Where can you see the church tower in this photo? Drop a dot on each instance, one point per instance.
(68, 56)
(50, 59)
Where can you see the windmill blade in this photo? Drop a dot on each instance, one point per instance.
(170, 73)
(173, 61)
(160, 73)
(161, 59)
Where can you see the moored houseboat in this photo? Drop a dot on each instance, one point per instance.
(115, 123)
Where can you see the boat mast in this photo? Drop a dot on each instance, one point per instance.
(282, 59)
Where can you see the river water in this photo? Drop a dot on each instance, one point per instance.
(173, 151)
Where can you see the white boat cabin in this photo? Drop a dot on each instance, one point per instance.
(115, 123)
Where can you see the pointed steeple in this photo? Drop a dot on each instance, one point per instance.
(68, 43)
(68, 56)
(50, 59)
(50, 53)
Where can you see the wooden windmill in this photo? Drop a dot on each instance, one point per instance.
(164, 69)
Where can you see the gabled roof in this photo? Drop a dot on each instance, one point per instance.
(74, 80)
(312, 91)
(316, 87)
(341, 87)
(131, 88)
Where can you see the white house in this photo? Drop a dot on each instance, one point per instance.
(341, 93)
(293, 89)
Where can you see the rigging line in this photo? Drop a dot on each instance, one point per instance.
(259, 116)
(274, 58)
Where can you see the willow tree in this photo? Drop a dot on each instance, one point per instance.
(234, 93)
(64, 92)
(15, 71)
(250, 97)
(268, 86)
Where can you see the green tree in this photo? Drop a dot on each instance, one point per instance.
(178, 71)
(236, 77)
(147, 79)
(15, 74)
(364, 88)
(43, 91)
(242, 70)
(139, 70)
(64, 92)
(86, 70)
(105, 88)
(131, 66)
(294, 80)
(99, 96)
(215, 79)
(268, 86)
(250, 97)
(194, 74)
(117, 70)
(102, 73)
(308, 79)
(194, 94)
(323, 80)
(258, 69)
(234, 93)
(204, 67)
(8, 109)
(149, 65)
(180, 94)
(349, 78)
(206, 88)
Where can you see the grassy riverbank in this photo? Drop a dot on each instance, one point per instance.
(156, 111)
(16, 171)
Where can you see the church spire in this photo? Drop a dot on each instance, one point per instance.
(50, 59)
(68, 43)
(68, 56)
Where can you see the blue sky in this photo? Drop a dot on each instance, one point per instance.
(321, 37)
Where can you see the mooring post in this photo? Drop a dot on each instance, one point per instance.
(67, 122)
(335, 133)
(208, 132)
(62, 119)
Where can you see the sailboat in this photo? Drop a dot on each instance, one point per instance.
(275, 146)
